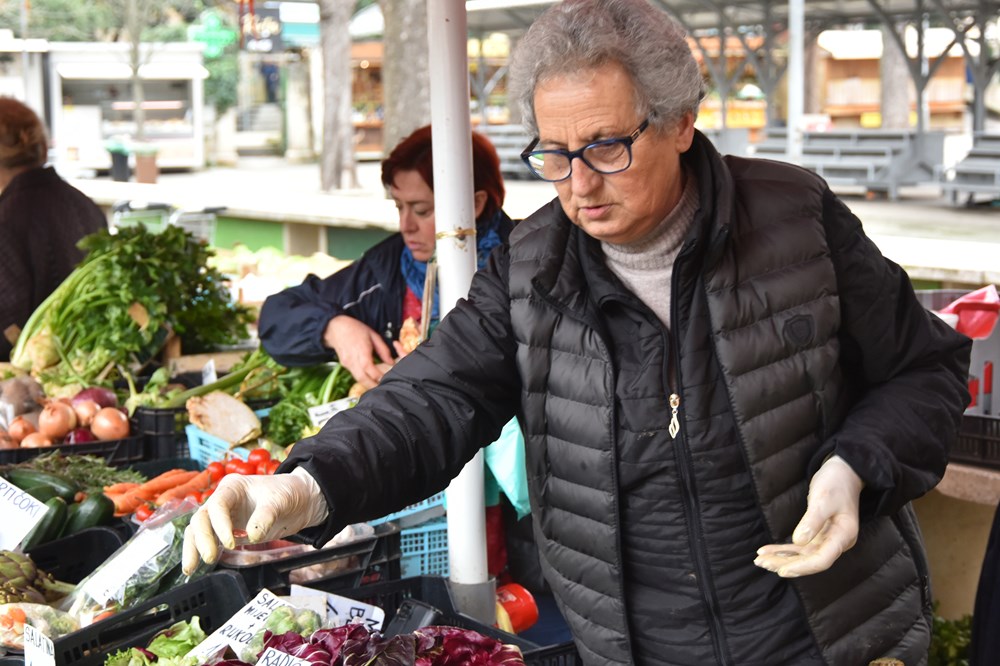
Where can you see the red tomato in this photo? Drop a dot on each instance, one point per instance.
(207, 493)
(245, 468)
(194, 497)
(271, 466)
(232, 466)
(258, 456)
(216, 471)
(143, 512)
(261, 468)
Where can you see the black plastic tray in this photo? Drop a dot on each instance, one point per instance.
(978, 441)
(383, 546)
(214, 599)
(117, 452)
(74, 557)
(420, 601)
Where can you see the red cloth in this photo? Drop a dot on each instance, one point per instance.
(411, 306)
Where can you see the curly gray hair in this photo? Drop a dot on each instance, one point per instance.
(582, 34)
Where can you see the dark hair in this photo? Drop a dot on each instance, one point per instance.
(22, 137)
(414, 154)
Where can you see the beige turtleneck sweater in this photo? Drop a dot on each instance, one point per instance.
(646, 265)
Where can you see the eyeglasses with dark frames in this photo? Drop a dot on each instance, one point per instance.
(606, 156)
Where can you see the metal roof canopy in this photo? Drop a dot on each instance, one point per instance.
(745, 18)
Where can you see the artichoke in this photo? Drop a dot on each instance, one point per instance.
(21, 580)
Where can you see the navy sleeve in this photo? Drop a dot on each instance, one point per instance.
(908, 370)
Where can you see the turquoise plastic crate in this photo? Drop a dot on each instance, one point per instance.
(416, 514)
(205, 448)
(425, 549)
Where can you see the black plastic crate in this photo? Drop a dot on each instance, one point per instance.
(214, 599)
(978, 441)
(74, 557)
(117, 452)
(356, 557)
(162, 429)
(411, 603)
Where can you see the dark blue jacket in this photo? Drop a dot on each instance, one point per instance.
(371, 290)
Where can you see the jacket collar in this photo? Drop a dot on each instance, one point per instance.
(571, 252)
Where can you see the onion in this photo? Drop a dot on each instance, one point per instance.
(109, 423)
(102, 396)
(56, 420)
(35, 440)
(80, 436)
(6, 441)
(85, 410)
(20, 428)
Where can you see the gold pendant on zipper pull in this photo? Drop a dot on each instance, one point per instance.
(675, 424)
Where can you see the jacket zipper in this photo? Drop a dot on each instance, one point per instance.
(614, 477)
(688, 495)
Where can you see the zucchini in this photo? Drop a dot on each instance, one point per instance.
(97, 509)
(49, 527)
(41, 493)
(28, 478)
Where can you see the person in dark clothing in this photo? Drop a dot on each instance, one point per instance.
(41, 219)
(729, 397)
(357, 313)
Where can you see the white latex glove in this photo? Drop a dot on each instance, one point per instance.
(356, 344)
(827, 530)
(267, 507)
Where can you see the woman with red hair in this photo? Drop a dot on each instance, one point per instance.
(356, 315)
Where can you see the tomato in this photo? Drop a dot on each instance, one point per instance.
(216, 471)
(143, 512)
(194, 497)
(245, 468)
(207, 493)
(261, 468)
(258, 456)
(271, 466)
(232, 466)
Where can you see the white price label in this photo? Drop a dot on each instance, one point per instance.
(109, 581)
(272, 657)
(208, 373)
(341, 610)
(320, 414)
(239, 630)
(20, 513)
(38, 648)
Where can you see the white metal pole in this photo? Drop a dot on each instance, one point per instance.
(454, 215)
(796, 76)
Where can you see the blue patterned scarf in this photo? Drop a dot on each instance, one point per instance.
(415, 272)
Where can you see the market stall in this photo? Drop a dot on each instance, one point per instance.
(115, 431)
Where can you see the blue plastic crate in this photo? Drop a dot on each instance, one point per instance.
(205, 448)
(416, 514)
(425, 550)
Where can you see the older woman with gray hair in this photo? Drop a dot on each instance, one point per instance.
(729, 397)
(41, 219)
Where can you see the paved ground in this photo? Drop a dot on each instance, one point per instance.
(924, 232)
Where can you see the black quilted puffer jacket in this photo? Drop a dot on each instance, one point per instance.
(791, 339)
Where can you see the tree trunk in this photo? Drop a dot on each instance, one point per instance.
(133, 24)
(405, 69)
(338, 146)
(895, 76)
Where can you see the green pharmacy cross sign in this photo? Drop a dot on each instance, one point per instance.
(213, 33)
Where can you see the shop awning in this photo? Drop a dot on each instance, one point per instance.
(113, 71)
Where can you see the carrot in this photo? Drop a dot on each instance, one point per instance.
(126, 503)
(152, 488)
(197, 483)
(119, 488)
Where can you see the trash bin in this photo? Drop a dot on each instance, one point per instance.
(119, 160)
(146, 169)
